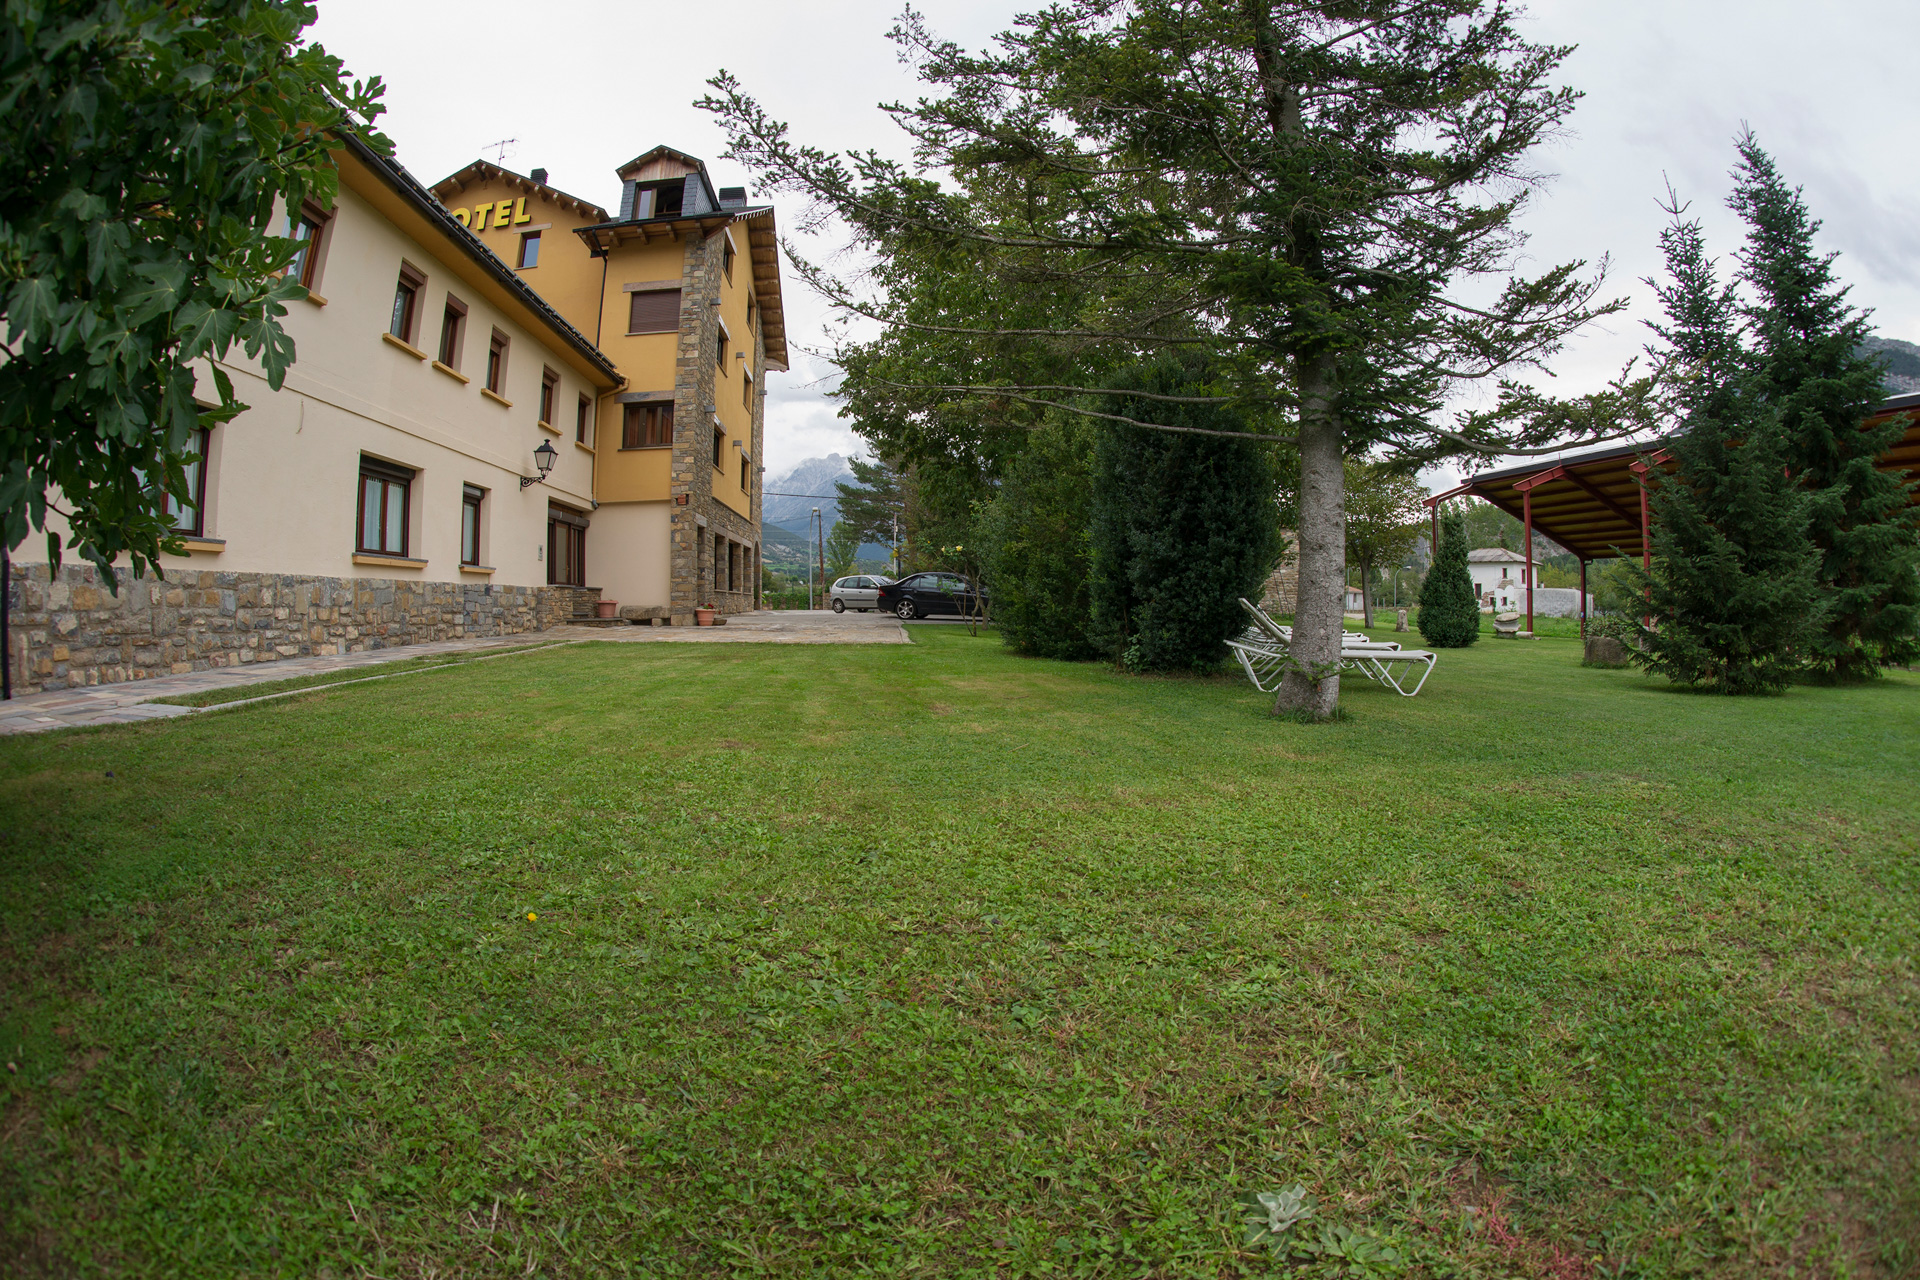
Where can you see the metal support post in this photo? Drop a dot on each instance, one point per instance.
(1583, 597)
(1526, 515)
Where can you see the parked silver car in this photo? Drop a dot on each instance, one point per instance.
(861, 591)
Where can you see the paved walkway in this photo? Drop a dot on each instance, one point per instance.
(131, 702)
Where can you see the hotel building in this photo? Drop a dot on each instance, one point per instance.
(682, 292)
(498, 413)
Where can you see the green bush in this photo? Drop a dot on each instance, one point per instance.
(1182, 527)
(1036, 545)
(1449, 613)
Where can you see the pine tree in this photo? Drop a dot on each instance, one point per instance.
(1182, 526)
(1449, 613)
(1315, 194)
(1733, 584)
(1821, 385)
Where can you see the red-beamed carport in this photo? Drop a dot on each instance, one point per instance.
(1595, 503)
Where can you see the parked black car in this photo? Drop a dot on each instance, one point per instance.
(927, 595)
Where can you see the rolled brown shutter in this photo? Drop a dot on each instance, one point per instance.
(655, 311)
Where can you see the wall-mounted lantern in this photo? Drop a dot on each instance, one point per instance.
(544, 457)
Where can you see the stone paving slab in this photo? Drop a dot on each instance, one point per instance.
(132, 702)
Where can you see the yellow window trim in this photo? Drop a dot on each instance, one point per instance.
(403, 344)
(452, 372)
(481, 569)
(389, 562)
(495, 396)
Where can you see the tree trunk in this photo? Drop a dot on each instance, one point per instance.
(1312, 687)
(1366, 592)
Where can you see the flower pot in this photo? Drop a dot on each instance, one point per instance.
(703, 617)
(607, 608)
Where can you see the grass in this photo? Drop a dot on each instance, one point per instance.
(930, 960)
(343, 675)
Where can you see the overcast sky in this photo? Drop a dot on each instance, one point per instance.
(1828, 87)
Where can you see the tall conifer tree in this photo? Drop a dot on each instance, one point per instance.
(1821, 385)
(1319, 195)
(1733, 584)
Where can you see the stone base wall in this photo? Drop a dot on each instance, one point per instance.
(563, 604)
(1282, 590)
(69, 631)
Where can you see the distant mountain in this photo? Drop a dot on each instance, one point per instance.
(815, 476)
(1902, 361)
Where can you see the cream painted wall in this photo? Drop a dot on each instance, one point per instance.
(627, 549)
(283, 477)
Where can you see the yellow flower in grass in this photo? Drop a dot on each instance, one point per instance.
(532, 916)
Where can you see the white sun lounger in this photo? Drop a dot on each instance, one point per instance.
(1266, 660)
(1266, 665)
(1265, 627)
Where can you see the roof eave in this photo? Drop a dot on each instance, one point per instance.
(484, 169)
(414, 192)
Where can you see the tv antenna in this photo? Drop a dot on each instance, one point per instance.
(500, 149)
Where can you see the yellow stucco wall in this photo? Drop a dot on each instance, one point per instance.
(736, 419)
(591, 293)
(565, 276)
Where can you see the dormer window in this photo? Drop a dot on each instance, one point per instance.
(659, 199)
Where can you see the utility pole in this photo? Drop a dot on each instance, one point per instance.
(821, 543)
(813, 522)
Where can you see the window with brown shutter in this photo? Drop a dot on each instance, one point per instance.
(406, 297)
(187, 517)
(308, 227)
(549, 396)
(647, 426)
(453, 332)
(580, 420)
(654, 311)
(497, 363)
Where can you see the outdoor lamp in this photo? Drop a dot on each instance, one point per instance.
(544, 457)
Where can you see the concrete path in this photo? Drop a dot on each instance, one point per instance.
(132, 702)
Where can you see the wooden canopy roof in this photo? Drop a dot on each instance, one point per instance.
(1589, 503)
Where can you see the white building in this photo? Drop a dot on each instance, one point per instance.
(1499, 577)
(1500, 584)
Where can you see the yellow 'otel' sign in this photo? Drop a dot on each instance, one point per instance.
(504, 212)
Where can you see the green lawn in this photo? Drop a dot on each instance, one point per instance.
(929, 960)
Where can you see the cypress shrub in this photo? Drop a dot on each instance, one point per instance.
(1036, 544)
(1182, 526)
(1449, 614)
